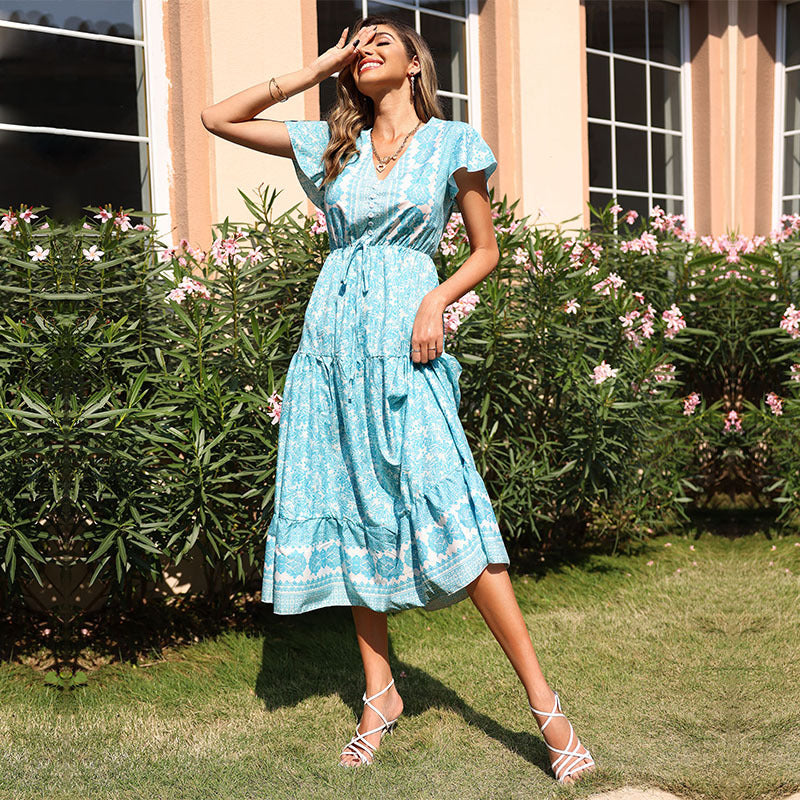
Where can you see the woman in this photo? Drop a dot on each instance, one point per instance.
(378, 504)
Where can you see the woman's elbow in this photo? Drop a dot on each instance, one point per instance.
(208, 119)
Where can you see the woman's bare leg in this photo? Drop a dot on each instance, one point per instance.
(373, 642)
(493, 595)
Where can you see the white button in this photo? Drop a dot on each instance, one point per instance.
(370, 214)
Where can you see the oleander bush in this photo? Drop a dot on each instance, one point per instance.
(611, 377)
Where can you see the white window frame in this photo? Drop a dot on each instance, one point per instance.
(472, 95)
(686, 133)
(151, 45)
(779, 115)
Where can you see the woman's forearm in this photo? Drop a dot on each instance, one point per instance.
(246, 104)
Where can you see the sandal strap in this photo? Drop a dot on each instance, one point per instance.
(359, 740)
(378, 694)
(564, 770)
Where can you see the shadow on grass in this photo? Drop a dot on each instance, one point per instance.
(316, 654)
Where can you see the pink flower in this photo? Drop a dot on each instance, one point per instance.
(274, 410)
(320, 224)
(667, 544)
(572, 306)
(458, 311)
(733, 421)
(28, 215)
(604, 286)
(9, 222)
(631, 216)
(123, 222)
(775, 403)
(675, 321)
(104, 215)
(38, 254)
(795, 371)
(650, 563)
(791, 321)
(93, 254)
(603, 371)
(616, 208)
(690, 403)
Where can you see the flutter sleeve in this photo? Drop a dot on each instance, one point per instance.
(309, 138)
(471, 151)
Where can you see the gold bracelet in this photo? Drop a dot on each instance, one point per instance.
(284, 98)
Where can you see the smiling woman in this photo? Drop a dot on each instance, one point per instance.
(378, 502)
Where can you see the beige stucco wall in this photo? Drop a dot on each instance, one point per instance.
(553, 166)
(532, 67)
(249, 43)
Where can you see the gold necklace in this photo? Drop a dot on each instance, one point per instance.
(382, 162)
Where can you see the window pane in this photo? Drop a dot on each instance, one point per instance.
(791, 206)
(68, 82)
(403, 14)
(665, 35)
(630, 92)
(332, 17)
(597, 24)
(792, 121)
(598, 86)
(791, 165)
(68, 172)
(628, 23)
(109, 17)
(599, 155)
(598, 200)
(667, 164)
(793, 34)
(458, 7)
(448, 42)
(454, 108)
(665, 95)
(669, 205)
(631, 159)
(639, 204)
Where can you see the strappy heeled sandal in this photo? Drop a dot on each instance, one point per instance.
(359, 740)
(565, 769)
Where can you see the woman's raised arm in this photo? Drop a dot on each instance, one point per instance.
(233, 118)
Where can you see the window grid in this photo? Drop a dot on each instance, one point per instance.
(783, 203)
(143, 138)
(469, 20)
(648, 127)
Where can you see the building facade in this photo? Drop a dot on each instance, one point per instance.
(693, 105)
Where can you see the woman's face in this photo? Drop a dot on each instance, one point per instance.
(382, 62)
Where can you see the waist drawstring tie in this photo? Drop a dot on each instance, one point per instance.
(349, 364)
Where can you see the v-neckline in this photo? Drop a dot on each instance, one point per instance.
(368, 146)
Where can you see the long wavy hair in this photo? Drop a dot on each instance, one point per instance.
(354, 111)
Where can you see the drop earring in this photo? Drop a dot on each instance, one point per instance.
(412, 87)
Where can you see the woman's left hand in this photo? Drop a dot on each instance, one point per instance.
(428, 334)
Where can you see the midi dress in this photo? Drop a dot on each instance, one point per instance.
(378, 502)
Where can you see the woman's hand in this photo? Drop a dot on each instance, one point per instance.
(428, 333)
(335, 58)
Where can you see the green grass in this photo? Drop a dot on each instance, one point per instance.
(683, 680)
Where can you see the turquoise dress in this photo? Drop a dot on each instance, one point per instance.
(377, 499)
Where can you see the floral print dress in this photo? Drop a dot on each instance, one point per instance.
(377, 499)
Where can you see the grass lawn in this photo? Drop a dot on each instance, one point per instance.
(680, 675)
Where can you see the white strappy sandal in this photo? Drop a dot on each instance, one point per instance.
(359, 741)
(565, 770)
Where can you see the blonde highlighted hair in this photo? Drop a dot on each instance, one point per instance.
(354, 111)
